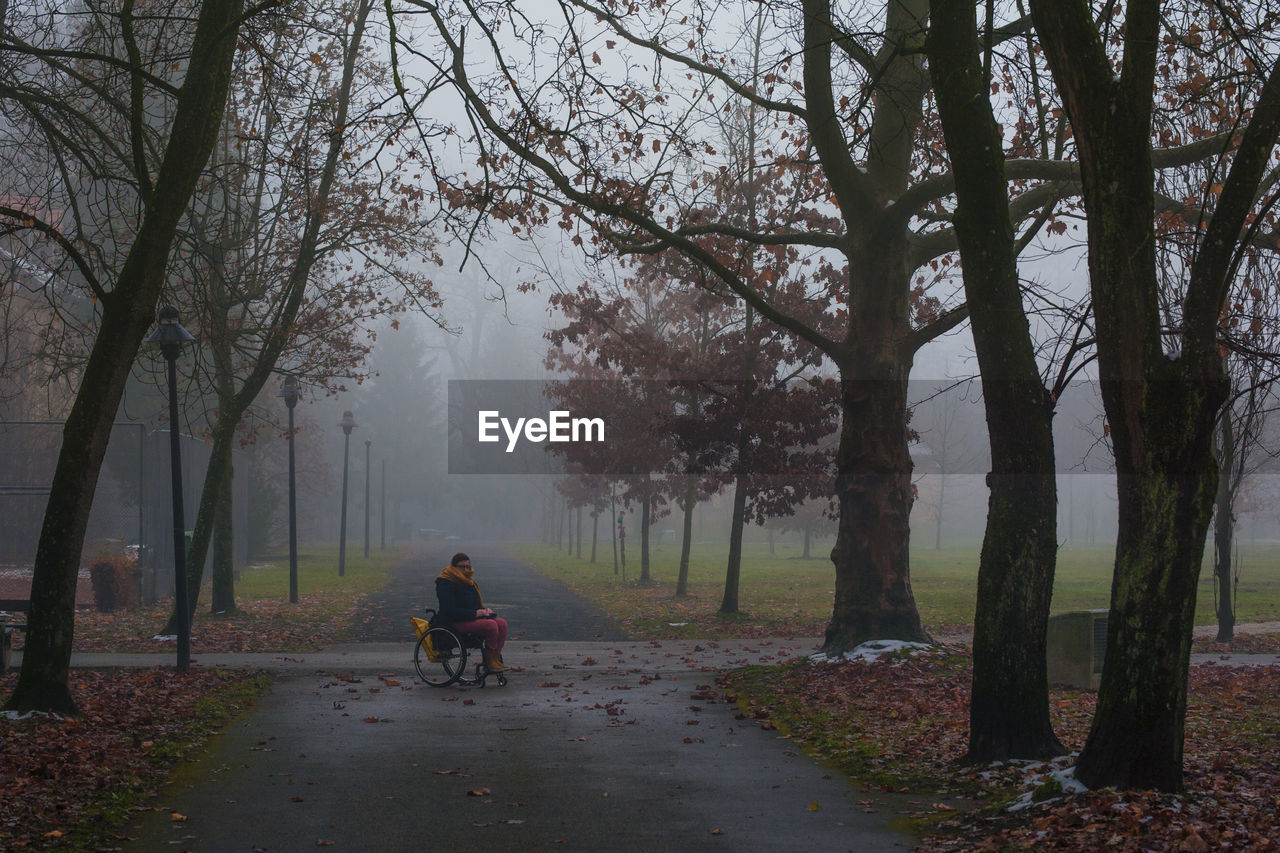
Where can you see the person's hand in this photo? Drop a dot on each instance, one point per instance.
(484, 612)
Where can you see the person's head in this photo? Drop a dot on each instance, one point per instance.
(461, 560)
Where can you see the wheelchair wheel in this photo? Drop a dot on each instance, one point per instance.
(453, 658)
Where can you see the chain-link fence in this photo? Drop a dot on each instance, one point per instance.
(133, 505)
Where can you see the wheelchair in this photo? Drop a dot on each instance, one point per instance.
(440, 656)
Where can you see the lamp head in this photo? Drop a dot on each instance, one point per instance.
(169, 333)
(348, 423)
(289, 391)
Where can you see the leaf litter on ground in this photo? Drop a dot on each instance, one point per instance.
(900, 724)
(72, 781)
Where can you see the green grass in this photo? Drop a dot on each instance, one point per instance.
(780, 591)
(268, 576)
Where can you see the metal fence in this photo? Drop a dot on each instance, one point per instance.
(132, 505)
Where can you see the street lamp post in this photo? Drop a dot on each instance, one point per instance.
(348, 423)
(170, 335)
(367, 445)
(290, 394)
(382, 509)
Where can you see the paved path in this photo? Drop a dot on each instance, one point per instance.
(594, 745)
(536, 607)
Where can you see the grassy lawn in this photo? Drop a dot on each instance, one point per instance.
(264, 619)
(268, 577)
(781, 593)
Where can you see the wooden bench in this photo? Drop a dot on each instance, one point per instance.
(13, 617)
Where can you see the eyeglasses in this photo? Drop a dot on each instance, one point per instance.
(464, 565)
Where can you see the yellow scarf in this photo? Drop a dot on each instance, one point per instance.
(462, 577)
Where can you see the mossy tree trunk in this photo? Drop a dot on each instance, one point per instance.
(1161, 406)
(1009, 708)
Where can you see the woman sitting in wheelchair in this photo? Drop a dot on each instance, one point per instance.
(462, 609)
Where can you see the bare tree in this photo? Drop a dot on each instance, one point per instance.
(1162, 390)
(164, 169)
(299, 238)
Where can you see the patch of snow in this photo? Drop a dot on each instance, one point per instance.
(1037, 773)
(27, 715)
(677, 624)
(166, 637)
(871, 650)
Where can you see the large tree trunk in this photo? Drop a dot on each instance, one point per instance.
(46, 657)
(1161, 408)
(126, 316)
(1009, 708)
(1009, 705)
(1137, 737)
(873, 597)
(1136, 741)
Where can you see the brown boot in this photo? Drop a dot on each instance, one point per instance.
(493, 661)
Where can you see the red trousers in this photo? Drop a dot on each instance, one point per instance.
(494, 631)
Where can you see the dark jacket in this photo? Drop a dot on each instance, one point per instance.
(458, 603)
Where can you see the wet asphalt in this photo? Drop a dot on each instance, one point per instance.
(535, 607)
(597, 743)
